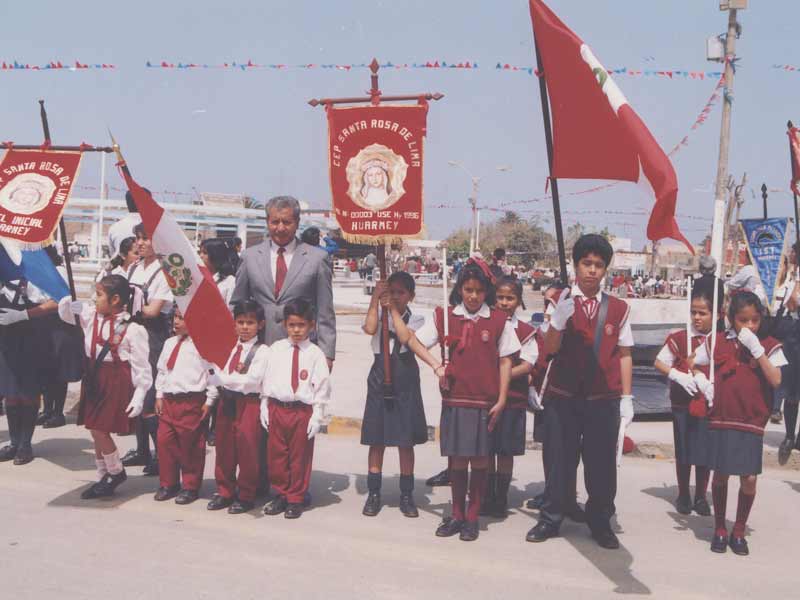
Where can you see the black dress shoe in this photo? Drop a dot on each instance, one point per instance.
(8, 453)
(218, 502)
(576, 513)
(42, 418)
(373, 505)
(293, 511)
(440, 479)
(701, 507)
(408, 507)
(719, 544)
(151, 468)
(55, 421)
(606, 538)
(449, 527)
(785, 450)
(24, 455)
(536, 502)
(105, 487)
(469, 531)
(541, 532)
(240, 507)
(186, 497)
(166, 493)
(275, 506)
(683, 505)
(739, 545)
(133, 458)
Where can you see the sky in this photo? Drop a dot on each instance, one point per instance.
(228, 131)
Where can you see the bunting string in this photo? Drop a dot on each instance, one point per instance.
(53, 66)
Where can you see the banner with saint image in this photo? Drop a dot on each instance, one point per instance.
(34, 188)
(375, 159)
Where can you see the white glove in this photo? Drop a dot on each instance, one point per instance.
(214, 379)
(76, 307)
(626, 412)
(563, 312)
(9, 316)
(706, 387)
(750, 340)
(264, 414)
(534, 399)
(314, 423)
(685, 380)
(136, 405)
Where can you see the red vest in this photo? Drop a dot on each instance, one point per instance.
(518, 388)
(572, 366)
(742, 395)
(474, 369)
(677, 344)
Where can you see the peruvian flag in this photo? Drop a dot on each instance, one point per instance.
(794, 152)
(596, 133)
(208, 319)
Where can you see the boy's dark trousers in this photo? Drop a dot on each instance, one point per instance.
(586, 428)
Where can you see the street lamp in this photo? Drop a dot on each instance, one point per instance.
(473, 200)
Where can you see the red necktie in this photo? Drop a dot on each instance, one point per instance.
(589, 305)
(280, 271)
(173, 358)
(295, 367)
(235, 359)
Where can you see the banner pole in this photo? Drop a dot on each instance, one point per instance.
(548, 137)
(790, 126)
(62, 228)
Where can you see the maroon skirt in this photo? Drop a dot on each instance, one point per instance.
(104, 398)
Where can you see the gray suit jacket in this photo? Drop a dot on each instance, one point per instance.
(309, 277)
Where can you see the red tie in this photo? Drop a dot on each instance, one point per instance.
(589, 305)
(235, 359)
(280, 271)
(295, 367)
(173, 358)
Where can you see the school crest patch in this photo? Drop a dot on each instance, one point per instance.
(485, 335)
(609, 329)
(179, 277)
(303, 375)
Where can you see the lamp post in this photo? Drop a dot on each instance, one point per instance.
(474, 233)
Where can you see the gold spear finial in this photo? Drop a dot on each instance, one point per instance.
(115, 146)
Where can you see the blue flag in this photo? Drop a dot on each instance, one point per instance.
(766, 240)
(37, 268)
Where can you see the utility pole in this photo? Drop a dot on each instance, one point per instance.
(717, 231)
(737, 197)
(473, 200)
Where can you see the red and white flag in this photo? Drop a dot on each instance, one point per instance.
(596, 133)
(207, 317)
(794, 152)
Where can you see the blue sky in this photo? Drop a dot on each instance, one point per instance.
(252, 132)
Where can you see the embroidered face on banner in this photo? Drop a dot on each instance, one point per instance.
(376, 176)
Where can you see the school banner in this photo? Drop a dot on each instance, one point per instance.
(375, 160)
(766, 242)
(34, 187)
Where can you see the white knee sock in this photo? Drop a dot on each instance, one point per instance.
(113, 463)
(100, 464)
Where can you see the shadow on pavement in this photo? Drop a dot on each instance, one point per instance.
(134, 487)
(73, 454)
(325, 488)
(795, 485)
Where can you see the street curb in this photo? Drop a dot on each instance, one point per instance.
(347, 426)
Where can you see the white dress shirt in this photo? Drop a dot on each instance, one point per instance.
(415, 322)
(190, 373)
(134, 347)
(625, 331)
(158, 290)
(252, 381)
(225, 287)
(287, 255)
(313, 385)
(507, 345)
(666, 356)
(529, 352)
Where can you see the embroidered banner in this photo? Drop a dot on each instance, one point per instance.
(34, 187)
(766, 241)
(375, 160)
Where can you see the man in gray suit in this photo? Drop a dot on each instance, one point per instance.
(282, 269)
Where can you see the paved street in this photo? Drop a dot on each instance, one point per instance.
(131, 547)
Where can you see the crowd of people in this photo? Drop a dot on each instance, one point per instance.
(142, 373)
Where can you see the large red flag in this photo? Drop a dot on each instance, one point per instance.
(596, 133)
(207, 317)
(794, 152)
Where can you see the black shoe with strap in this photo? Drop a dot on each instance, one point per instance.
(373, 505)
(719, 543)
(105, 487)
(449, 527)
(440, 479)
(541, 532)
(738, 545)
(408, 507)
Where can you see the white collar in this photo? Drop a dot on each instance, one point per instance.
(288, 248)
(575, 291)
(303, 345)
(249, 344)
(484, 312)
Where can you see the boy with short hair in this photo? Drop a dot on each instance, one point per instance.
(589, 385)
(293, 399)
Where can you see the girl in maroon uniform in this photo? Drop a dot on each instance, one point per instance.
(474, 386)
(689, 420)
(747, 369)
(508, 437)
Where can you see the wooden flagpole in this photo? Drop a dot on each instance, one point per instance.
(790, 126)
(548, 137)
